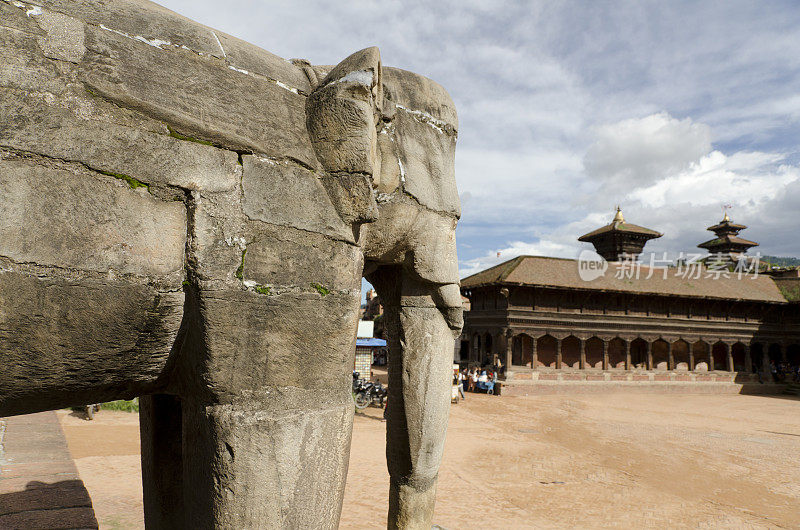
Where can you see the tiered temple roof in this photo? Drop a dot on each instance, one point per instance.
(727, 240)
(619, 238)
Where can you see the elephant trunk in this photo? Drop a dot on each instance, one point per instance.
(420, 338)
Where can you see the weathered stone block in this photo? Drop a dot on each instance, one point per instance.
(22, 64)
(427, 157)
(66, 127)
(149, 22)
(298, 453)
(269, 186)
(64, 35)
(255, 60)
(261, 343)
(416, 92)
(199, 96)
(76, 219)
(285, 257)
(69, 342)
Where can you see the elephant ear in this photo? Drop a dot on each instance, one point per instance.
(341, 117)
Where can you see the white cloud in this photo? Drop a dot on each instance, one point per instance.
(544, 247)
(633, 152)
(712, 180)
(687, 186)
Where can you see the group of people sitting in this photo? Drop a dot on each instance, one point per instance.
(784, 372)
(476, 380)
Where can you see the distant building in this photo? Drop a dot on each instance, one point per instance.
(544, 321)
(366, 348)
(727, 241)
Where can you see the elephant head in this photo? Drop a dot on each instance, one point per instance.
(387, 138)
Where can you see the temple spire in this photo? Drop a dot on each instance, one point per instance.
(619, 239)
(727, 240)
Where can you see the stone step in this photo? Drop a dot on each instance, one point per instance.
(39, 484)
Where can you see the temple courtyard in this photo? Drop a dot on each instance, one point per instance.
(554, 461)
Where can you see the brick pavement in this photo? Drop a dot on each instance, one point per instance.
(39, 484)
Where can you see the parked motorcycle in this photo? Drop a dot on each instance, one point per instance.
(91, 409)
(365, 393)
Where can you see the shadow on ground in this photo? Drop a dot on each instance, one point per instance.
(64, 504)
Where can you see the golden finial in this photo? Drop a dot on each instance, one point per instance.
(618, 218)
(725, 218)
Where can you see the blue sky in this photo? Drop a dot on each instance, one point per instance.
(670, 109)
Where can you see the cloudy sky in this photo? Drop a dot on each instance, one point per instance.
(670, 109)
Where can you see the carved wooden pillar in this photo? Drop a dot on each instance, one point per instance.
(729, 356)
(627, 354)
(649, 355)
(558, 354)
(711, 366)
(498, 345)
(748, 360)
(691, 357)
(605, 354)
(670, 357)
(509, 345)
(534, 354)
(582, 343)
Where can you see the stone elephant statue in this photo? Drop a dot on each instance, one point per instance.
(186, 217)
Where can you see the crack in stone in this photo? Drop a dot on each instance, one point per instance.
(66, 161)
(423, 117)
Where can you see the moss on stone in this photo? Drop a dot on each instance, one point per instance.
(263, 289)
(321, 289)
(179, 136)
(240, 270)
(132, 182)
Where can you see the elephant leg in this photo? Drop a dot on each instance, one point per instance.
(277, 464)
(420, 340)
(267, 440)
(162, 463)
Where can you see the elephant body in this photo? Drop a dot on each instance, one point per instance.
(187, 218)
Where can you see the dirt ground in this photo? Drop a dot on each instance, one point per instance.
(625, 461)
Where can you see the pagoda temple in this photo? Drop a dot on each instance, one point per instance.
(670, 329)
(727, 241)
(619, 240)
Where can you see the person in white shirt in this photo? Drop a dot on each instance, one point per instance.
(473, 379)
(460, 383)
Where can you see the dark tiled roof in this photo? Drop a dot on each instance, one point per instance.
(558, 272)
(726, 240)
(726, 225)
(616, 226)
